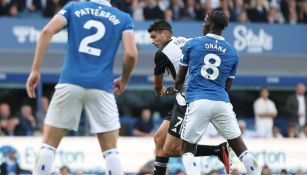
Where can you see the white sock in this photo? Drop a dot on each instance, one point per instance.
(113, 163)
(44, 161)
(190, 164)
(250, 163)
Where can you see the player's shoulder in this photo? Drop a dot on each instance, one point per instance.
(234, 51)
(74, 5)
(169, 45)
(227, 44)
(179, 41)
(231, 49)
(159, 53)
(197, 39)
(174, 46)
(159, 57)
(179, 38)
(193, 41)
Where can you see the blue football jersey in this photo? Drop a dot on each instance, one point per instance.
(211, 61)
(94, 32)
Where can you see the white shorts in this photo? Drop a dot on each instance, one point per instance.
(200, 112)
(68, 101)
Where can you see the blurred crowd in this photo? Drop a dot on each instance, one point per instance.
(265, 124)
(25, 122)
(242, 11)
(265, 112)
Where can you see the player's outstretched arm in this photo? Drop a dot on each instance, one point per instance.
(180, 78)
(130, 59)
(56, 24)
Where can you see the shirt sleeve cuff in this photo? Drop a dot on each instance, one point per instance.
(182, 64)
(64, 18)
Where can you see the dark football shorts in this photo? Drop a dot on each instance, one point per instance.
(176, 117)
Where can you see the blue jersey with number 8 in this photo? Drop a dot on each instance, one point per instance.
(94, 33)
(211, 61)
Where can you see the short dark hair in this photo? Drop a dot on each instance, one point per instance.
(160, 25)
(218, 18)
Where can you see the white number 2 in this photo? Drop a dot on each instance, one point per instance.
(215, 71)
(84, 44)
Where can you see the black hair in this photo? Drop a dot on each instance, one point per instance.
(160, 25)
(219, 19)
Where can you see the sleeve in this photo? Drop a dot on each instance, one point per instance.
(161, 62)
(274, 109)
(185, 54)
(65, 12)
(233, 71)
(258, 109)
(255, 107)
(129, 24)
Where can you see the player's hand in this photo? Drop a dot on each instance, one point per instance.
(119, 86)
(180, 99)
(169, 91)
(32, 82)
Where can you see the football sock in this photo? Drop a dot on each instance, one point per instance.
(113, 163)
(44, 161)
(190, 164)
(160, 165)
(206, 150)
(250, 163)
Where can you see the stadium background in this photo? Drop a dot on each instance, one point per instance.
(273, 55)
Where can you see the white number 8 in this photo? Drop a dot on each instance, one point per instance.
(215, 71)
(84, 44)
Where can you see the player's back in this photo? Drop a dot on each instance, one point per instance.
(94, 33)
(168, 56)
(211, 62)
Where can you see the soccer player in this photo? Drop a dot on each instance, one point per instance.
(167, 138)
(95, 30)
(212, 65)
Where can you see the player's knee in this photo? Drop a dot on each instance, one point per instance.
(171, 149)
(107, 145)
(159, 141)
(167, 151)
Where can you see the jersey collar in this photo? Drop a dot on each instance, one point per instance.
(102, 2)
(215, 36)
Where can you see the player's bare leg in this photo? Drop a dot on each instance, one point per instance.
(173, 143)
(161, 161)
(108, 144)
(188, 158)
(172, 148)
(189, 151)
(52, 137)
(239, 147)
(168, 145)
